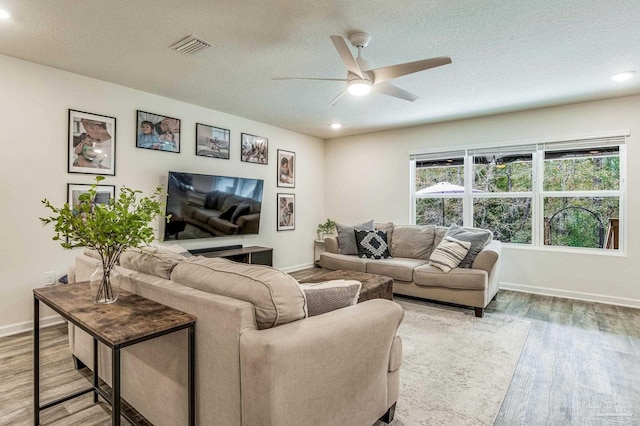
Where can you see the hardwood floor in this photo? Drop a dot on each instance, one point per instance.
(580, 366)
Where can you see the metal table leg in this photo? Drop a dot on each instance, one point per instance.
(115, 382)
(36, 361)
(192, 376)
(95, 370)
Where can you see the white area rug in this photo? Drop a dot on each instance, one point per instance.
(456, 368)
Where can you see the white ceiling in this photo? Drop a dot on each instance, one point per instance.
(507, 55)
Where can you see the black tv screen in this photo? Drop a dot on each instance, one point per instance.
(205, 206)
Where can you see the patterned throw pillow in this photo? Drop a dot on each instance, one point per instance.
(327, 296)
(372, 244)
(478, 238)
(449, 254)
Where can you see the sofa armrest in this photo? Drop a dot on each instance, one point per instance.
(329, 369)
(487, 258)
(331, 244)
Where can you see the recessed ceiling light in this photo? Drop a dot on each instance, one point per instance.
(336, 125)
(622, 76)
(4, 14)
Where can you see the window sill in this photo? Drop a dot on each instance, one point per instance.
(570, 250)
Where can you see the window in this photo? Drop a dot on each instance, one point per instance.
(440, 190)
(553, 194)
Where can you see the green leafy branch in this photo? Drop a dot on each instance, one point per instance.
(108, 228)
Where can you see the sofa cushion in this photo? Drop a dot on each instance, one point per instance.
(478, 238)
(327, 296)
(388, 228)
(346, 236)
(398, 268)
(440, 232)
(372, 244)
(412, 241)
(151, 260)
(276, 296)
(335, 261)
(449, 253)
(458, 278)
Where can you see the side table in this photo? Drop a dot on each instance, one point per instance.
(131, 319)
(318, 248)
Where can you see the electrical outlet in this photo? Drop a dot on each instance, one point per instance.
(50, 277)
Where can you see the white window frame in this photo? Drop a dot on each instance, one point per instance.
(537, 194)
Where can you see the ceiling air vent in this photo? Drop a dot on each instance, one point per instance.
(191, 44)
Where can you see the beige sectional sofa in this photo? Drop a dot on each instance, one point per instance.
(410, 247)
(260, 360)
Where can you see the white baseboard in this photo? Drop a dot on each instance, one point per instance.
(297, 267)
(576, 295)
(21, 327)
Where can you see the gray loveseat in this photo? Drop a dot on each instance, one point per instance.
(260, 360)
(410, 247)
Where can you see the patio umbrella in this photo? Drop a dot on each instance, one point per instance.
(443, 188)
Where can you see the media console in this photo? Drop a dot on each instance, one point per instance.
(253, 254)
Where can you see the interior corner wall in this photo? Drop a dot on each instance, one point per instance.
(34, 105)
(367, 176)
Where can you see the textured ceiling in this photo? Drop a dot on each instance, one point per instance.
(507, 55)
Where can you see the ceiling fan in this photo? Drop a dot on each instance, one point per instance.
(361, 79)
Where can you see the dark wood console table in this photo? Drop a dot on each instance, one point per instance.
(254, 254)
(131, 319)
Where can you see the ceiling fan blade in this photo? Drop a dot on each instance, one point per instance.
(391, 90)
(337, 98)
(305, 78)
(345, 55)
(393, 71)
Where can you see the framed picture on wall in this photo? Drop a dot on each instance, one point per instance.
(286, 169)
(158, 132)
(212, 141)
(91, 144)
(103, 195)
(286, 212)
(254, 149)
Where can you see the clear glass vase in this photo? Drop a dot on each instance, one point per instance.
(105, 285)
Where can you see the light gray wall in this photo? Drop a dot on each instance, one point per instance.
(367, 176)
(34, 109)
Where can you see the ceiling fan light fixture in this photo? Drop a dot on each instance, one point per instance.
(622, 76)
(359, 87)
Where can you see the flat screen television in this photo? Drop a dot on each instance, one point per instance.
(205, 206)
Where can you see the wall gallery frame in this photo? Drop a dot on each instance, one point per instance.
(157, 132)
(286, 169)
(213, 142)
(286, 212)
(254, 149)
(91, 144)
(103, 194)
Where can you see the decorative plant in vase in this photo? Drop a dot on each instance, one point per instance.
(325, 228)
(108, 228)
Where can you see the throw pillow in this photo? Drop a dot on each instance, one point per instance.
(172, 247)
(327, 296)
(241, 210)
(449, 253)
(226, 215)
(372, 244)
(478, 238)
(347, 238)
